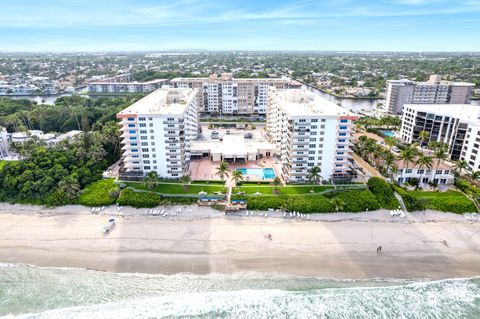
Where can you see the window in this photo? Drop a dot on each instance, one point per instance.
(134, 150)
(341, 147)
(314, 120)
(144, 149)
(342, 134)
(131, 119)
(145, 155)
(341, 141)
(146, 167)
(311, 146)
(343, 121)
(143, 137)
(311, 158)
(343, 127)
(131, 125)
(446, 172)
(133, 138)
(132, 132)
(421, 171)
(141, 119)
(340, 153)
(146, 162)
(144, 143)
(438, 171)
(133, 144)
(143, 131)
(142, 125)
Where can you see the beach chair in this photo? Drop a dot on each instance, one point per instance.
(93, 209)
(266, 214)
(467, 217)
(284, 214)
(308, 216)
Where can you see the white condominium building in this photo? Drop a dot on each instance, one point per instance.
(157, 132)
(433, 91)
(228, 95)
(125, 87)
(457, 125)
(309, 131)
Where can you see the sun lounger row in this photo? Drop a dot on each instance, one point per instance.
(398, 212)
(96, 210)
(156, 212)
(295, 214)
(474, 217)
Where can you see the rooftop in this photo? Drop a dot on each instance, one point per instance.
(166, 101)
(299, 102)
(466, 112)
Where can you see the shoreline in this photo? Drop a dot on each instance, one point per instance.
(205, 241)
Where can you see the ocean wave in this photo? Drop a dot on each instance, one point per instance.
(456, 298)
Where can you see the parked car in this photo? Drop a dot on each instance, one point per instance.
(214, 137)
(395, 149)
(248, 135)
(228, 132)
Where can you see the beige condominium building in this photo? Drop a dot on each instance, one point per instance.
(433, 91)
(228, 95)
(309, 131)
(157, 132)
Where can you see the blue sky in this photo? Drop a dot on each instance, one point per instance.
(361, 25)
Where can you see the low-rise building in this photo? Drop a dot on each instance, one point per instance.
(157, 133)
(440, 173)
(125, 87)
(309, 131)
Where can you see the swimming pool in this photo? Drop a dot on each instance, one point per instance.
(389, 133)
(259, 172)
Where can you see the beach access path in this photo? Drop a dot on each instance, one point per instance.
(201, 240)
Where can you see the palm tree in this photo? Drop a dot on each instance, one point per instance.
(424, 162)
(389, 160)
(222, 171)
(390, 142)
(276, 182)
(237, 176)
(314, 175)
(475, 175)
(440, 155)
(69, 186)
(338, 204)
(151, 180)
(423, 136)
(407, 155)
(185, 182)
(459, 166)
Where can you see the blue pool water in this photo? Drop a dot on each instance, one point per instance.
(260, 172)
(389, 133)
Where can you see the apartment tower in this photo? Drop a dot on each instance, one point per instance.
(157, 132)
(309, 131)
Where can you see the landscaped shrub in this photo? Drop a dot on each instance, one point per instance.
(100, 193)
(383, 192)
(180, 200)
(358, 200)
(310, 204)
(129, 197)
(411, 203)
(453, 205)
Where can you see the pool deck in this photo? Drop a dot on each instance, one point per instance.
(205, 169)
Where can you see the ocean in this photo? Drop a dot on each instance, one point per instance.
(35, 292)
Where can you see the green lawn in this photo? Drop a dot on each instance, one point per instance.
(178, 188)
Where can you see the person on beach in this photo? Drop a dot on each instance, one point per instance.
(379, 249)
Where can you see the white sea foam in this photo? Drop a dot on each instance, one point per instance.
(439, 299)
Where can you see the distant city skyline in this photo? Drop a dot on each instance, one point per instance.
(148, 25)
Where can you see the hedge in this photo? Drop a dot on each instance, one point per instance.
(310, 204)
(383, 192)
(411, 202)
(129, 197)
(454, 205)
(358, 201)
(101, 193)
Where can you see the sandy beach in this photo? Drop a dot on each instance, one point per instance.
(425, 245)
